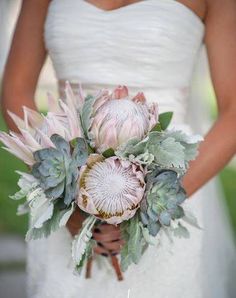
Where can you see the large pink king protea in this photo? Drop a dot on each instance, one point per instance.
(111, 188)
(116, 118)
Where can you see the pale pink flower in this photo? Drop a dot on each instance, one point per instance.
(111, 189)
(35, 129)
(116, 118)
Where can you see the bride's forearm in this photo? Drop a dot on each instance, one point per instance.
(217, 149)
(13, 101)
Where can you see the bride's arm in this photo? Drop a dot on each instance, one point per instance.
(219, 145)
(25, 60)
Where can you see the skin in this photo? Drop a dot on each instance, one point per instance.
(28, 55)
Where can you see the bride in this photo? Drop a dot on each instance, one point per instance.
(151, 46)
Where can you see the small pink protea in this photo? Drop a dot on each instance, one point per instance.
(116, 118)
(36, 129)
(111, 188)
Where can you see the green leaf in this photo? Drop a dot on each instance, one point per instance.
(189, 142)
(80, 152)
(133, 147)
(153, 228)
(181, 231)
(165, 218)
(88, 253)
(133, 248)
(41, 208)
(157, 127)
(108, 153)
(126, 259)
(135, 245)
(178, 213)
(165, 119)
(27, 184)
(168, 153)
(49, 226)
(81, 241)
(147, 237)
(65, 217)
(191, 219)
(86, 113)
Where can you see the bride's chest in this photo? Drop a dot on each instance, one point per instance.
(163, 25)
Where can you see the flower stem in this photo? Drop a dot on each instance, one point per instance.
(116, 266)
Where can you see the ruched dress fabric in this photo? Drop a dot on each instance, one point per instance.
(150, 46)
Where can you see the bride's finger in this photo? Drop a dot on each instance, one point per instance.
(101, 251)
(108, 228)
(106, 237)
(113, 246)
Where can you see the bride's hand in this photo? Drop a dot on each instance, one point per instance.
(74, 223)
(108, 239)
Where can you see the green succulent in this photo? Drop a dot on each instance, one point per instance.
(163, 197)
(57, 169)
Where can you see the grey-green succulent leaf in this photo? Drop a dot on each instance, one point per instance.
(153, 228)
(57, 169)
(161, 202)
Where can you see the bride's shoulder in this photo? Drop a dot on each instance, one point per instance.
(199, 7)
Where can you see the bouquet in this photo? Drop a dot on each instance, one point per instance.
(113, 156)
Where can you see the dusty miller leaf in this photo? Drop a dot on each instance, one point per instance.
(48, 226)
(81, 241)
(181, 231)
(191, 219)
(132, 250)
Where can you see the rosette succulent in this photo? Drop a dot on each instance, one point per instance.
(57, 168)
(110, 120)
(163, 197)
(111, 189)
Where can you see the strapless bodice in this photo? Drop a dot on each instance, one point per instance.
(150, 45)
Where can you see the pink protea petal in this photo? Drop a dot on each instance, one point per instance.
(71, 100)
(120, 92)
(115, 220)
(20, 123)
(108, 134)
(118, 118)
(85, 203)
(153, 115)
(100, 99)
(45, 140)
(139, 97)
(32, 117)
(74, 125)
(81, 97)
(111, 189)
(55, 125)
(17, 147)
(53, 104)
(30, 140)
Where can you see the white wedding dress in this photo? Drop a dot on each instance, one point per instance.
(150, 46)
